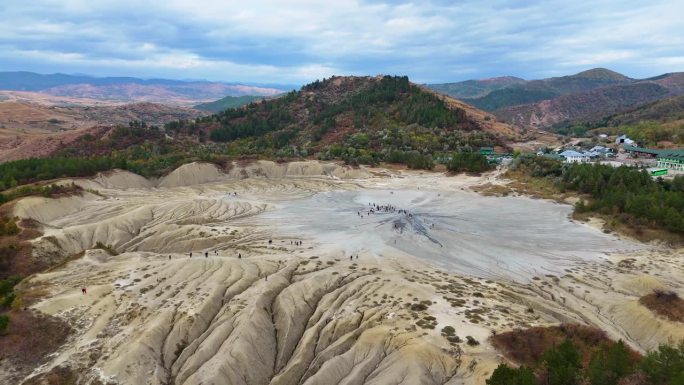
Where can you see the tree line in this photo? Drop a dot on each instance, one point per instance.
(627, 194)
(611, 364)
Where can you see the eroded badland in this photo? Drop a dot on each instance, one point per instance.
(315, 273)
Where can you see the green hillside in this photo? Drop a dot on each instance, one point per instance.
(512, 96)
(544, 89)
(475, 88)
(228, 102)
(501, 92)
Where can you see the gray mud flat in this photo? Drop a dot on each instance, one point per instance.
(511, 237)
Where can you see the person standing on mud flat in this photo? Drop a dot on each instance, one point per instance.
(206, 254)
(191, 254)
(83, 290)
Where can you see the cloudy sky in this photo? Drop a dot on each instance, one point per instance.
(297, 41)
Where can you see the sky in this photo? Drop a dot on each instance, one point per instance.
(297, 41)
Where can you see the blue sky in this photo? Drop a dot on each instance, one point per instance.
(301, 40)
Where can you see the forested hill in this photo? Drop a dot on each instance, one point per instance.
(373, 115)
(361, 120)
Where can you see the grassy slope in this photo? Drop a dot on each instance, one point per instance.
(227, 102)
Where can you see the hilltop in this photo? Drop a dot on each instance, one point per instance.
(373, 112)
(359, 119)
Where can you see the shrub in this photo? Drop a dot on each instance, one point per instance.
(608, 365)
(563, 364)
(504, 375)
(665, 365)
(472, 341)
(468, 162)
(4, 324)
(665, 303)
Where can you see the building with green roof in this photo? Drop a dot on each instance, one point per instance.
(641, 151)
(671, 159)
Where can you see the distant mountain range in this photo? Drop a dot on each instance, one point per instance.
(476, 88)
(129, 89)
(584, 97)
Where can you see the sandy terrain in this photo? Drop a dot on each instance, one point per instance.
(283, 313)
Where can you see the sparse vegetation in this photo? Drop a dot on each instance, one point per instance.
(48, 191)
(108, 248)
(8, 226)
(665, 303)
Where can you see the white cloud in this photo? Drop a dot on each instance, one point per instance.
(298, 40)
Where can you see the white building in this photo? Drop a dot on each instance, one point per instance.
(574, 156)
(623, 139)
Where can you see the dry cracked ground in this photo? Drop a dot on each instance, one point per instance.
(293, 280)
